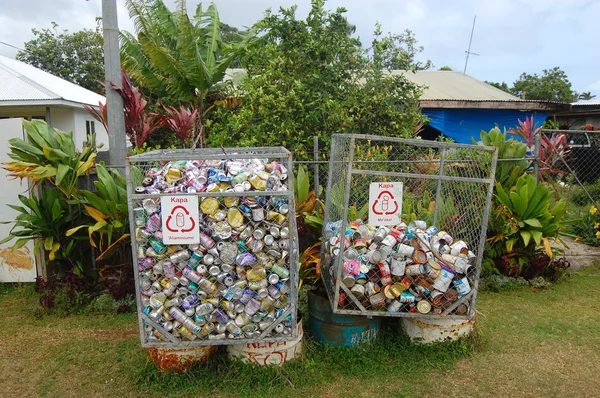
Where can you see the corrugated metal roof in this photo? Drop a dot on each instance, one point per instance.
(448, 85)
(592, 102)
(22, 82)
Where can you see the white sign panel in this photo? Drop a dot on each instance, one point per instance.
(385, 203)
(18, 265)
(180, 220)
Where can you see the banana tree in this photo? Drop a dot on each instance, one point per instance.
(178, 57)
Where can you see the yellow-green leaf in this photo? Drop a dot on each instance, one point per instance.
(48, 243)
(73, 230)
(95, 214)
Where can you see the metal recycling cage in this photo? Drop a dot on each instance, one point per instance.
(446, 185)
(252, 274)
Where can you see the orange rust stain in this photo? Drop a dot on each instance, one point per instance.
(179, 360)
(18, 259)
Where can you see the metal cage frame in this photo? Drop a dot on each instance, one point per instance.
(271, 153)
(334, 286)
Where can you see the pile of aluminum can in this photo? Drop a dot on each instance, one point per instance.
(214, 176)
(235, 283)
(405, 268)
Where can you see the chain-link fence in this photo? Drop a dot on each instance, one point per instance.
(215, 246)
(429, 267)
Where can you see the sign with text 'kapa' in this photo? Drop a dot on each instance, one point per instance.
(180, 220)
(385, 203)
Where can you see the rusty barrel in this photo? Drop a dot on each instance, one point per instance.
(337, 329)
(180, 359)
(275, 353)
(428, 331)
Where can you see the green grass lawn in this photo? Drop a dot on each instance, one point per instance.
(528, 343)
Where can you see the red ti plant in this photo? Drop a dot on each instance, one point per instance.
(139, 124)
(181, 120)
(100, 114)
(551, 149)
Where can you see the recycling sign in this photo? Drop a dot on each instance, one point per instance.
(385, 203)
(180, 219)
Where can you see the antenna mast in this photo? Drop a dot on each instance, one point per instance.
(470, 41)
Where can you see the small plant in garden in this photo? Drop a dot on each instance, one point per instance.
(523, 221)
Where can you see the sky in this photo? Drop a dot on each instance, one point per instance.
(510, 36)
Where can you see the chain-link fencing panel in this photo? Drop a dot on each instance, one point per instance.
(569, 163)
(215, 246)
(427, 263)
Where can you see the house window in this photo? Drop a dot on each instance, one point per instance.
(90, 127)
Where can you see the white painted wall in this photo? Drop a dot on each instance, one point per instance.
(80, 133)
(20, 265)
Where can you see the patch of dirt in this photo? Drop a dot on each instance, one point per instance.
(578, 254)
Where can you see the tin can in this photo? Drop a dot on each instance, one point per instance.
(462, 286)
(352, 267)
(377, 300)
(397, 288)
(444, 279)
(358, 291)
(437, 298)
(405, 250)
(415, 269)
(348, 280)
(424, 307)
(394, 306)
(397, 267)
(461, 265)
(462, 309)
(458, 248)
(418, 224)
(371, 288)
(388, 293)
(419, 257)
(406, 297)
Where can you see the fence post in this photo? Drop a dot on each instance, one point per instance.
(536, 155)
(316, 167)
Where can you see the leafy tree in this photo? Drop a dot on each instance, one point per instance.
(178, 58)
(446, 68)
(552, 85)
(502, 86)
(399, 50)
(77, 57)
(311, 77)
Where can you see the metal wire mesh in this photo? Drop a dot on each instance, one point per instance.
(238, 284)
(428, 264)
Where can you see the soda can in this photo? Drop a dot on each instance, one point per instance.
(179, 256)
(273, 279)
(139, 216)
(283, 273)
(389, 240)
(361, 278)
(252, 307)
(380, 234)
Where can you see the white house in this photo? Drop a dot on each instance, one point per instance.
(30, 93)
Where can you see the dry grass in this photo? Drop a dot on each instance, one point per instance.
(529, 343)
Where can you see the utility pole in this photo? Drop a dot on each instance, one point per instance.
(112, 73)
(470, 41)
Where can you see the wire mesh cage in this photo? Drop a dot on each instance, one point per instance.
(405, 226)
(215, 246)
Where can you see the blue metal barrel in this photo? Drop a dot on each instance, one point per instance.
(336, 329)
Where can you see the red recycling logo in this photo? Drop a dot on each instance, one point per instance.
(177, 214)
(385, 204)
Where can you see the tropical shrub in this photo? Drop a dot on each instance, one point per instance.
(523, 222)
